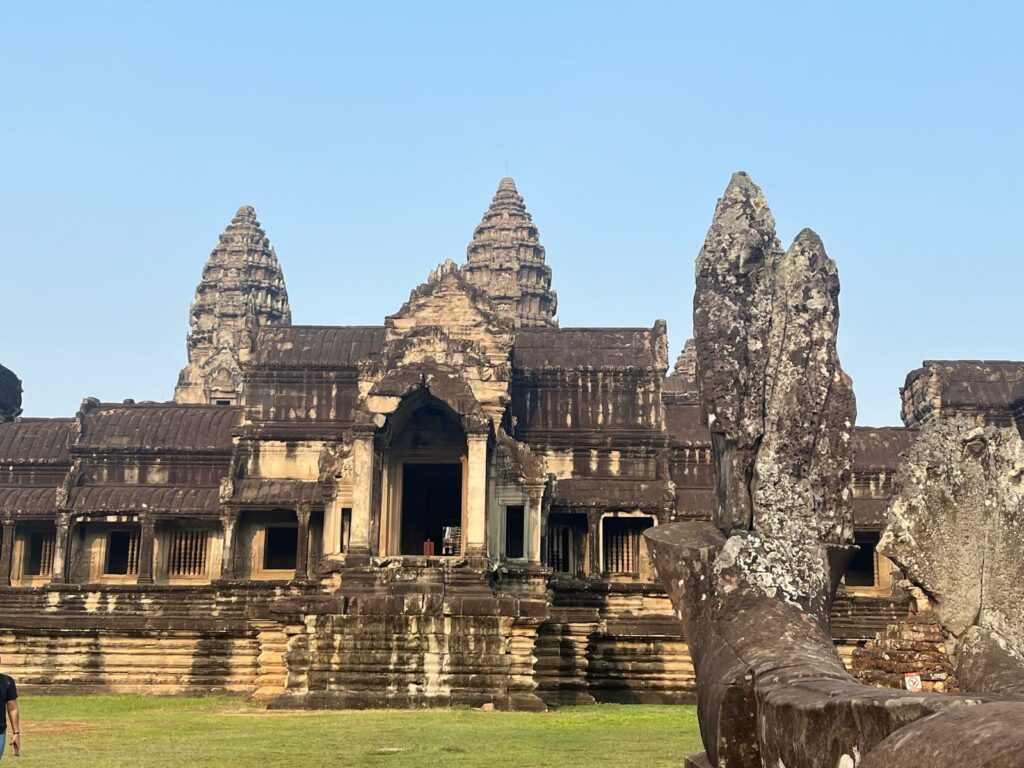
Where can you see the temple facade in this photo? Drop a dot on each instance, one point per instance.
(444, 508)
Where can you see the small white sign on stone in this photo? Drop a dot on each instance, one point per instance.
(912, 681)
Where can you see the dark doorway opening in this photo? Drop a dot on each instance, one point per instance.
(515, 531)
(279, 548)
(861, 571)
(431, 502)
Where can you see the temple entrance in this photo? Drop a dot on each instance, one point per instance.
(423, 479)
(431, 508)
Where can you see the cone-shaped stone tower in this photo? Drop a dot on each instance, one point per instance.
(506, 261)
(242, 289)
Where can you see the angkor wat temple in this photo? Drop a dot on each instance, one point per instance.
(445, 508)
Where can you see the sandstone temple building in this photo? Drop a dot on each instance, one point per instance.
(443, 508)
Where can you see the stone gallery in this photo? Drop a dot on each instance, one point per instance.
(450, 507)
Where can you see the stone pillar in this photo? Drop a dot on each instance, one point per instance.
(60, 548)
(535, 496)
(302, 543)
(331, 545)
(7, 553)
(229, 524)
(146, 540)
(475, 535)
(362, 494)
(595, 540)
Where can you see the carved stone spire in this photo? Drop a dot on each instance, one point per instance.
(506, 261)
(10, 395)
(242, 289)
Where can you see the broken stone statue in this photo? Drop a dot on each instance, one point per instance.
(754, 587)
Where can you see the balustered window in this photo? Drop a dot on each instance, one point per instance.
(187, 553)
(39, 550)
(565, 544)
(122, 553)
(622, 544)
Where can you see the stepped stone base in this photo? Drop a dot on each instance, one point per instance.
(415, 651)
(365, 637)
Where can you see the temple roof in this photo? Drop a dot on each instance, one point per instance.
(264, 492)
(608, 493)
(869, 513)
(317, 346)
(575, 348)
(684, 421)
(881, 447)
(152, 498)
(39, 441)
(159, 427)
(506, 260)
(30, 500)
(961, 386)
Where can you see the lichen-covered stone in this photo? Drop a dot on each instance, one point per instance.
(780, 408)
(956, 529)
(752, 590)
(731, 318)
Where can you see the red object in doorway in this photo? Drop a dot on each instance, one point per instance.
(428, 548)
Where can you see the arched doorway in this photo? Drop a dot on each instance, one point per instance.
(424, 449)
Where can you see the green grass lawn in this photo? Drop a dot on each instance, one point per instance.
(138, 732)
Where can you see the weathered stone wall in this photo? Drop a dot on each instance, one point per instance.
(124, 639)
(914, 645)
(413, 651)
(618, 642)
(956, 529)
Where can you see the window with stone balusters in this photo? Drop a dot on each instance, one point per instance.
(122, 553)
(39, 549)
(565, 545)
(187, 553)
(622, 536)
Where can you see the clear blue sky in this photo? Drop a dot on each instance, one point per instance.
(371, 137)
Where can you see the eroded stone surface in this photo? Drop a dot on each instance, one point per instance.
(780, 408)
(752, 589)
(956, 529)
(731, 316)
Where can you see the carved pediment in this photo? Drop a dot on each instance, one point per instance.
(447, 338)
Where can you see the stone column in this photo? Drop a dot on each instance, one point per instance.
(595, 540)
(302, 543)
(7, 553)
(60, 548)
(146, 539)
(475, 535)
(535, 495)
(332, 528)
(362, 494)
(229, 523)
